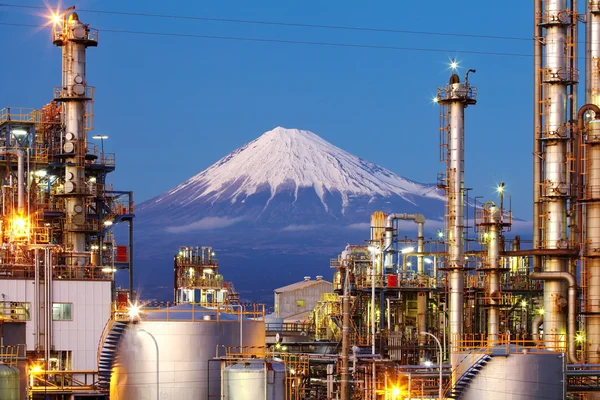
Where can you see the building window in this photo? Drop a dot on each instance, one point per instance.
(300, 303)
(62, 311)
(15, 310)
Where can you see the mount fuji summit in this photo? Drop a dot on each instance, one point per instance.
(281, 206)
(291, 180)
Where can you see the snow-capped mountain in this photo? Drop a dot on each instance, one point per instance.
(289, 179)
(279, 207)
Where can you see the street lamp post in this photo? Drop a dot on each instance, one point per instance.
(101, 138)
(157, 361)
(440, 360)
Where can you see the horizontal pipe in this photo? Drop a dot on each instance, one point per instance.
(540, 252)
(572, 312)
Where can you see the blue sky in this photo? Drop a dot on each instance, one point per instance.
(174, 105)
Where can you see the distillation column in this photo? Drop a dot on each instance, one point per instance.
(74, 37)
(455, 98)
(592, 191)
(494, 220)
(556, 78)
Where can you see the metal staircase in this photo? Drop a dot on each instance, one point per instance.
(463, 382)
(108, 351)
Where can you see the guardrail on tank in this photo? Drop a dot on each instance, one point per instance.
(509, 344)
(213, 312)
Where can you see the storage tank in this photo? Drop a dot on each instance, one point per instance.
(9, 383)
(255, 379)
(514, 374)
(184, 349)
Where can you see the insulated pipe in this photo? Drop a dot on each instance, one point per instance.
(535, 326)
(572, 313)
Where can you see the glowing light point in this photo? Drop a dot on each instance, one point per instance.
(133, 311)
(36, 369)
(55, 18)
(579, 338)
(524, 303)
(435, 99)
(396, 391)
(407, 250)
(454, 65)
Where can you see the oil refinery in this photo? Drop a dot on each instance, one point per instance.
(472, 312)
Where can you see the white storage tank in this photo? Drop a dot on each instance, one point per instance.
(9, 383)
(514, 375)
(254, 379)
(184, 349)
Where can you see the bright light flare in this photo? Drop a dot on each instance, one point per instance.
(524, 303)
(580, 337)
(19, 227)
(55, 18)
(407, 250)
(435, 99)
(454, 65)
(396, 391)
(428, 261)
(133, 311)
(36, 369)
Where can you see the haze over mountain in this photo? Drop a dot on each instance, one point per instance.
(287, 192)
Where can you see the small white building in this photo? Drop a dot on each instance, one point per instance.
(295, 302)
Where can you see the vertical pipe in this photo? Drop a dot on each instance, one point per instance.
(537, 126)
(421, 296)
(20, 181)
(36, 299)
(592, 189)
(345, 375)
(131, 258)
(373, 275)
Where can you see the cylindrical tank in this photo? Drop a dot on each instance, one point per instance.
(255, 379)
(514, 375)
(184, 350)
(9, 383)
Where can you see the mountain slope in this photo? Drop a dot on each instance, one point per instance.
(288, 176)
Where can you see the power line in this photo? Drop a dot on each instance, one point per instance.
(304, 42)
(288, 24)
